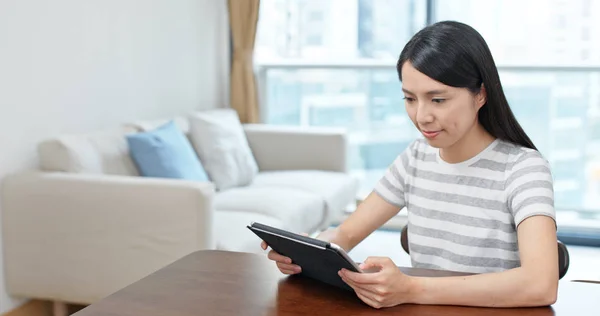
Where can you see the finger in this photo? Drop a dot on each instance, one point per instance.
(377, 264)
(290, 272)
(367, 298)
(352, 285)
(369, 268)
(361, 278)
(369, 301)
(277, 257)
(263, 245)
(290, 267)
(378, 261)
(371, 289)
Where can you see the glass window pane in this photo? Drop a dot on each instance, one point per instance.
(367, 102)
(336, 29)
(532, 32)
(559, 110)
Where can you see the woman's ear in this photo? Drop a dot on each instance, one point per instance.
(481, 97)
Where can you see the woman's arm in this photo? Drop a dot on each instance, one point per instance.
(535, 283)
(385, 201)
(529, 191)
(373, 212)
(368, 216)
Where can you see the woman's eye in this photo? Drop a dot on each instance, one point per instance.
(438, 100)
(409, 99)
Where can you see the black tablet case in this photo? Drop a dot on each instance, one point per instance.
(316, 257)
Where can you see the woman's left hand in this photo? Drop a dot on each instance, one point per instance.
(386, 287)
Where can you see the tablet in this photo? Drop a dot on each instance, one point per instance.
(319, 260)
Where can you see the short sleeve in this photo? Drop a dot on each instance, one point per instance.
(391, 186)
(530, 188)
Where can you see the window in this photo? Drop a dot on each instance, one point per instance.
(531, 32)
(553, 84)
(547, 51)
(349, 29)
(367, 99)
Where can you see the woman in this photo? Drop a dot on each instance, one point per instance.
(479, 196)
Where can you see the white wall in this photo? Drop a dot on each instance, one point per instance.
(70, 66)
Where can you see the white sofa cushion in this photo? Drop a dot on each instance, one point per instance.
(221, 144)
(300, 211)
(232, 234)
(148, 125)
(337, 189)
(103, 152)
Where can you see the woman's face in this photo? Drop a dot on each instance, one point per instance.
(443, 114)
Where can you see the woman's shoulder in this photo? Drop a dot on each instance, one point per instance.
(519, 157)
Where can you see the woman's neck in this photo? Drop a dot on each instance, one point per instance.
(474, 142)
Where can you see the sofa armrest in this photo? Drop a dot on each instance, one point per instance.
(297, 147)
(78, 238)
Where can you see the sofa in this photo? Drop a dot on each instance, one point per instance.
(86, 224)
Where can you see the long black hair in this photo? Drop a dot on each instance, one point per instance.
(456, 55)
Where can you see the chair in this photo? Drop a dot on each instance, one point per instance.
(563, 253)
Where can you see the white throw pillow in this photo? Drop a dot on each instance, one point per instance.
(100, 152)
(221, 144)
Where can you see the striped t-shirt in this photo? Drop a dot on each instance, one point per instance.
(463, 216)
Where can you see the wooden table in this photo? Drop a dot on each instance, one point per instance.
(227, 283)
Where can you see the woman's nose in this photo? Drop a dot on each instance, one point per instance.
(424, 115)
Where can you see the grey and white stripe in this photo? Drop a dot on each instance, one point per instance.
(464, 216)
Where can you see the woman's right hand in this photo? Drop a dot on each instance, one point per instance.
(284, 263)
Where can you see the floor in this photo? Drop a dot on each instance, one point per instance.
(584, 261)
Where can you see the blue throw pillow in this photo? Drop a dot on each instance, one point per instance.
(165, 153)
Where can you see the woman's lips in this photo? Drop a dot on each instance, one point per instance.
(431, 134)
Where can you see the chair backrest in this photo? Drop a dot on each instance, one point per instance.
(563, 259)
(563, 253)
